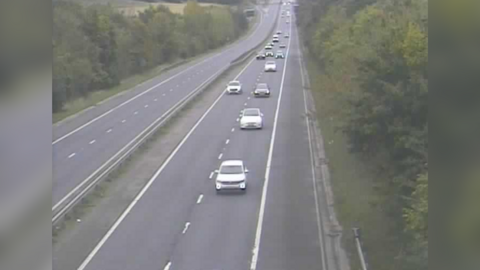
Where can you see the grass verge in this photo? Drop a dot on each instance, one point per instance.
(77, 105)
(354, 184)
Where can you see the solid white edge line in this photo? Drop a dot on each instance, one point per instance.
(126, 146)
(258, 234)
(149, 183)
(314, 177)
(155, 86)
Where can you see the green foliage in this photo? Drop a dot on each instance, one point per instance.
(96, 46)
(374, 57)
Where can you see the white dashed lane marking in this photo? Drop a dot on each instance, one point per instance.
(110, 130)
(135, 112)
(92, 142)
(200, 198)
(71, 155)
(146, 106)
(220, 156)
(233, 129)
(227, 141)
(186, 227)
(155, 99)
(167, 267)
(211, 175)
(123, 121)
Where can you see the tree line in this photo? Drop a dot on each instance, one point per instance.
(96, 46)
(373, 58)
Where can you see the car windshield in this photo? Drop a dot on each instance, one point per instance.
(250, 112)
(231, 169)
(234, 83)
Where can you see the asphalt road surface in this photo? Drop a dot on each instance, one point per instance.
(82, 144)
(179, 222)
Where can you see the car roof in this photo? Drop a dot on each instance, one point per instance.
(232, 163)
(262, 84)
(234, 82)
(270, 62)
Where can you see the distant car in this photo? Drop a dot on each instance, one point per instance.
(286, 35)
(269, 54)
(279, 32)
(282, 46)
(275, 40)
(271, 44)
(251, 118)
(260, 56)
(234, 87)
(270, 66)
(275, 36)
(288, 21)
(231, 175)
(279, 55)
(268, 47)
(261, 90)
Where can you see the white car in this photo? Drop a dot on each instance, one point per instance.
(268, 47)
(231, 175)
(251, 118)
(270, 66)
(279, 32)
(275, 36)
(234, 87)
(286, 35)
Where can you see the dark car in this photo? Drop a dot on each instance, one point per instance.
(261, 90)
(261, 56)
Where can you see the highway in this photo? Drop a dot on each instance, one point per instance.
(179, 222)
(85, 144)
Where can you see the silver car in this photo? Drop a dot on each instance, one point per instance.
(251, 118)
(261, 90)
(231, 175)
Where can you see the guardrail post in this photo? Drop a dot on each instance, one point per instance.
(358, 242)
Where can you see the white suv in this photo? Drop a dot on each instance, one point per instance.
(270, 66)
(231, 175)
(234, 87)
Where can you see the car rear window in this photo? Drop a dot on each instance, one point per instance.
(231, 169)
(250, 112)
(234, 83)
